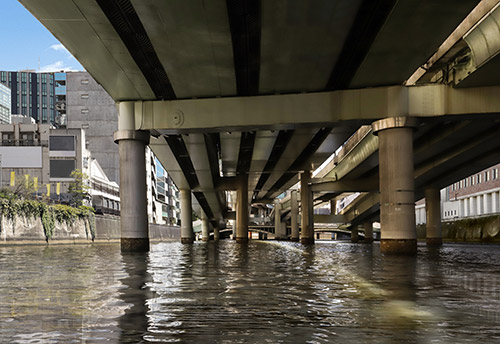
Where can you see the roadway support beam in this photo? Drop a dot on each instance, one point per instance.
(368, 227)
(397, 203)
(133, 198)
(294, 214)
(433, 217)
(205, 235)
(306, 206)
(242, 209)
(187, 234)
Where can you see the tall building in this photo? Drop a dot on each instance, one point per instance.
(85, 104)
(32, 94)
(90, 107)
(5, 98)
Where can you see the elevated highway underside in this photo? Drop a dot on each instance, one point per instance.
(244, 95)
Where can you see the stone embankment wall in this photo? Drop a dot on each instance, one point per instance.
(483, 229)
(107, 228)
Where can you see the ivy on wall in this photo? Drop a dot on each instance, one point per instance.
(11, 207)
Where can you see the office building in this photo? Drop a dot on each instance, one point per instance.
(32, 94)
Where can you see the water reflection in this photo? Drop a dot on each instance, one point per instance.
(134, 323)
(275, 292)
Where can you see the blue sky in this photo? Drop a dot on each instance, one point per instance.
(26, 44)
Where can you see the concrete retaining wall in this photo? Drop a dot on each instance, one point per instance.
(107, 229)
(483, 229)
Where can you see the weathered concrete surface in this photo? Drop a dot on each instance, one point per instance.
(23, 230)
(484, 229)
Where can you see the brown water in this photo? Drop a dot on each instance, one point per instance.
(266, 292)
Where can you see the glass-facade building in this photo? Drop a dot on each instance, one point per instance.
(5, 98)
(32, 94)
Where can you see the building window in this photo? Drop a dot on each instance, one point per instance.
(85, 96)
(479, 178)
(61, 143)
(85, 111)
(85, 81)
(62, 168)
(495, 174)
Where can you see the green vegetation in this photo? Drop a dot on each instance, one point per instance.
(13, 204)
(78, 189)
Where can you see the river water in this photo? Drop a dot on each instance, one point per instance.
(266, 292)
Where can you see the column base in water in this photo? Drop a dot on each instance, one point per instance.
(242, 240)
(434, 241)
(186, 240)
(135, 244)
(398, 246)
(307, 241)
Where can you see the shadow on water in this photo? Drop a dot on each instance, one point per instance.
(134, 323)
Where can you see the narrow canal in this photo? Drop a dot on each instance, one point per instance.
(266, 292)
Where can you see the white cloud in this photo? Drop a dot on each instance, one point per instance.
(56, 67)
(59, 47)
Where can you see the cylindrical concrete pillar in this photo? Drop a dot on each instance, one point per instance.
(397, 203)
(216, 234)
(368, 228)
(354, 235)
(133, 197)
(242, 209)
(306, 206)
(187, 234)
(433, 215)
(279, 228)
(205, 226)
(294, 214)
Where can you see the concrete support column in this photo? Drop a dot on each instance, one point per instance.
(279, 228)
(205, 226)
(397, 203)
(242, 209)
(133, 197)
(354, 235)
(433, 210)
(187, 234)
(216, 234)
(368, 227)
(306, 205)
(294, 213)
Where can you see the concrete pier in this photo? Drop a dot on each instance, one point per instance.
(368, 228)
(216, 234)
(242, 209)
(433, 217)
(205, 226)
(306, 207)
(279, 228)
(354, 235)
(133, 198)
(294, 214)
(187, 234)
(397, 203)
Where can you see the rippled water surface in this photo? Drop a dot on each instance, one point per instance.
(266, 292)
